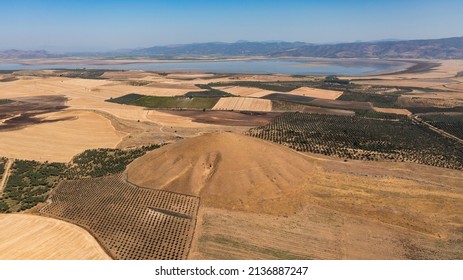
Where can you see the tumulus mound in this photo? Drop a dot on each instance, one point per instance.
(227, 171)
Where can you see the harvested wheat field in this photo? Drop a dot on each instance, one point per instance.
(29, 237)
(316, 93)
(245, 91)
(392, 111)
(243, 104)
(59, 141)
(267, 193)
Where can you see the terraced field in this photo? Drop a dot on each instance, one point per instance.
(130, 222)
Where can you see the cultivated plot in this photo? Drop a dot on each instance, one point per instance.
(130, 222)
(243, 104)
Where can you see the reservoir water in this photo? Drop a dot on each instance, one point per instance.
(265, 66)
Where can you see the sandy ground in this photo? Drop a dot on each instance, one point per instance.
(392, 111)
(29, 237)
(60, 141)
(316, 93)
(444, 75)
(243, 104)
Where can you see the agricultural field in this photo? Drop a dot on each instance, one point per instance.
(243, 104)
(103, 162)
(362, 138)
(130, 222)
(30, 182)
(338, 166)
(451, 123)
(163, 102)
(32, 237)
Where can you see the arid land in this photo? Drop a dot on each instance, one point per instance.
(282, 196)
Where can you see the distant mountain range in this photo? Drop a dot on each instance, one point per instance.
(449, 48)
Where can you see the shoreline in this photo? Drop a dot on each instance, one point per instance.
(403, 65)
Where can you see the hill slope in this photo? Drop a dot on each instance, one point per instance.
(447, 48)
(226, 170)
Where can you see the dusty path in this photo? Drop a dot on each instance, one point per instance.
(418, 120)
(6, 174)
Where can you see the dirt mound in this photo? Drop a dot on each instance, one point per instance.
(226, 170)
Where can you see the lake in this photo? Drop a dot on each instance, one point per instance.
(264, 66)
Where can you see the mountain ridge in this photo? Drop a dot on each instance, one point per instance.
(446, 48)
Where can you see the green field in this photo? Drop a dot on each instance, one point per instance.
(5, 101)
(167, 102)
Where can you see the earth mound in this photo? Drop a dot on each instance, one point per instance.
(226, 170)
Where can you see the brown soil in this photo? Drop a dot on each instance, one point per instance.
(26, 111)
(227, 118)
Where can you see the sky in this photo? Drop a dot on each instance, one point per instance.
(71, 25)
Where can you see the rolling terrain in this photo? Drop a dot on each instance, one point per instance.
(269, 166)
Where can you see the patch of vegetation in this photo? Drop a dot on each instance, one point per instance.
(354, 137)
(379, 115)
(2, 166)
(126, 99)
(30, 181)
(138, 83)
(5, 101)
(420, 110)
(8, 79)
(336, 80)
(176, 102)
(386, 100)
(166, 102)
(82, 73)
(452, 124)
(103, 162)
(208, 92)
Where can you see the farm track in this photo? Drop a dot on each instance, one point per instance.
(6, 174)
(130, 222)
(416, 119)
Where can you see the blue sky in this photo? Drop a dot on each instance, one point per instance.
(69, 25)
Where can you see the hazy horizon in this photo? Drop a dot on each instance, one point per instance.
(66, 26)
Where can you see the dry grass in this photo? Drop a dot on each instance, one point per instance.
(60, 141)
(243, 104)
(334, 209)
(392, 111)
(28, 237)
(245, 91)
(316, 93)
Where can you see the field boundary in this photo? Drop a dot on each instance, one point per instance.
(6, 174)
(134, 222)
